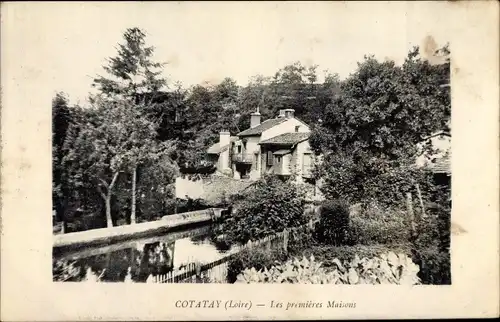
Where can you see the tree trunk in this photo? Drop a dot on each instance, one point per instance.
(422, 207)
(107, 198)
(109, 221)
(134, 180)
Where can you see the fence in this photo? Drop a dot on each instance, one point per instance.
(217, 271)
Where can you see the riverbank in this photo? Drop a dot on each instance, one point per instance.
(98, 237)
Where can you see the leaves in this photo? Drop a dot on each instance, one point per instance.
(334, 222)
(132, 71)
(269, 206)
(376, 270)
(371, 129)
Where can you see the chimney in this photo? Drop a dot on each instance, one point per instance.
(254, 119)
(225, 138)
(287, 113)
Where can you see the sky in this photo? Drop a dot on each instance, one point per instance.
(65, 44)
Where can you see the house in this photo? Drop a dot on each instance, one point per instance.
(435, 154)
(276, 146)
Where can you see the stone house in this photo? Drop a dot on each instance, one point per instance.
(277, 146)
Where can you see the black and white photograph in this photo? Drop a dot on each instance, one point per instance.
(249, 160)
(176, 162)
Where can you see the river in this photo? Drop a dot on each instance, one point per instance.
(138, 259)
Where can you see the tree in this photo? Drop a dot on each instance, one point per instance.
(132, 71)
(79, 196)
(207, 110)
(370, 131)
(114, 141)
(61, 119)
(255, 95)
(293, 86)
(133, 76)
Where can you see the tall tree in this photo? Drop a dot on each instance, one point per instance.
(132, 71)
(371, 128)
(114, 141)
(135, 77)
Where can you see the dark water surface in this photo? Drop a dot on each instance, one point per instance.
(135, 260)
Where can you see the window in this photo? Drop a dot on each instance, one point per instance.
(269, 158)
(256, 161)
(239, 148)
(278, 159)
(297, 127)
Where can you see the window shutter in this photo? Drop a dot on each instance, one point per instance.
(269, 158)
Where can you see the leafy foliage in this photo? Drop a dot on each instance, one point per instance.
(115, 138)
(370, 131)
(155, 187)
(132, 71)
(328, 254)
(258, 258)
(376, 224)
(61, 119)
(293, 86)
(268, 207)
(432, 246)
(386, 269)
(97, 149)
(334, 223)
(435, 265)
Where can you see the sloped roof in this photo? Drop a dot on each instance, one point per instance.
(441, 165)
(287, 138)
(216, 148)
(266, 125)
(282, 152)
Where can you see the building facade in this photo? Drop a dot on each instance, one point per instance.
(276, 146)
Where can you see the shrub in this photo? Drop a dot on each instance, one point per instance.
(432, 246)
(268, 207)
(375, 225)
(254, 257)
(301, 240)
(435, 265)
(386, 269)
(334, 222)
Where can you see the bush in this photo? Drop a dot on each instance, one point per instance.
(254, 257)
(268, 207)
(434, 265)
(375, 225)
(386, 269)
(334, 223)
(432, 246)
(300, 241)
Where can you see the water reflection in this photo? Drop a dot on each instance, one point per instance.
(139, 259)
